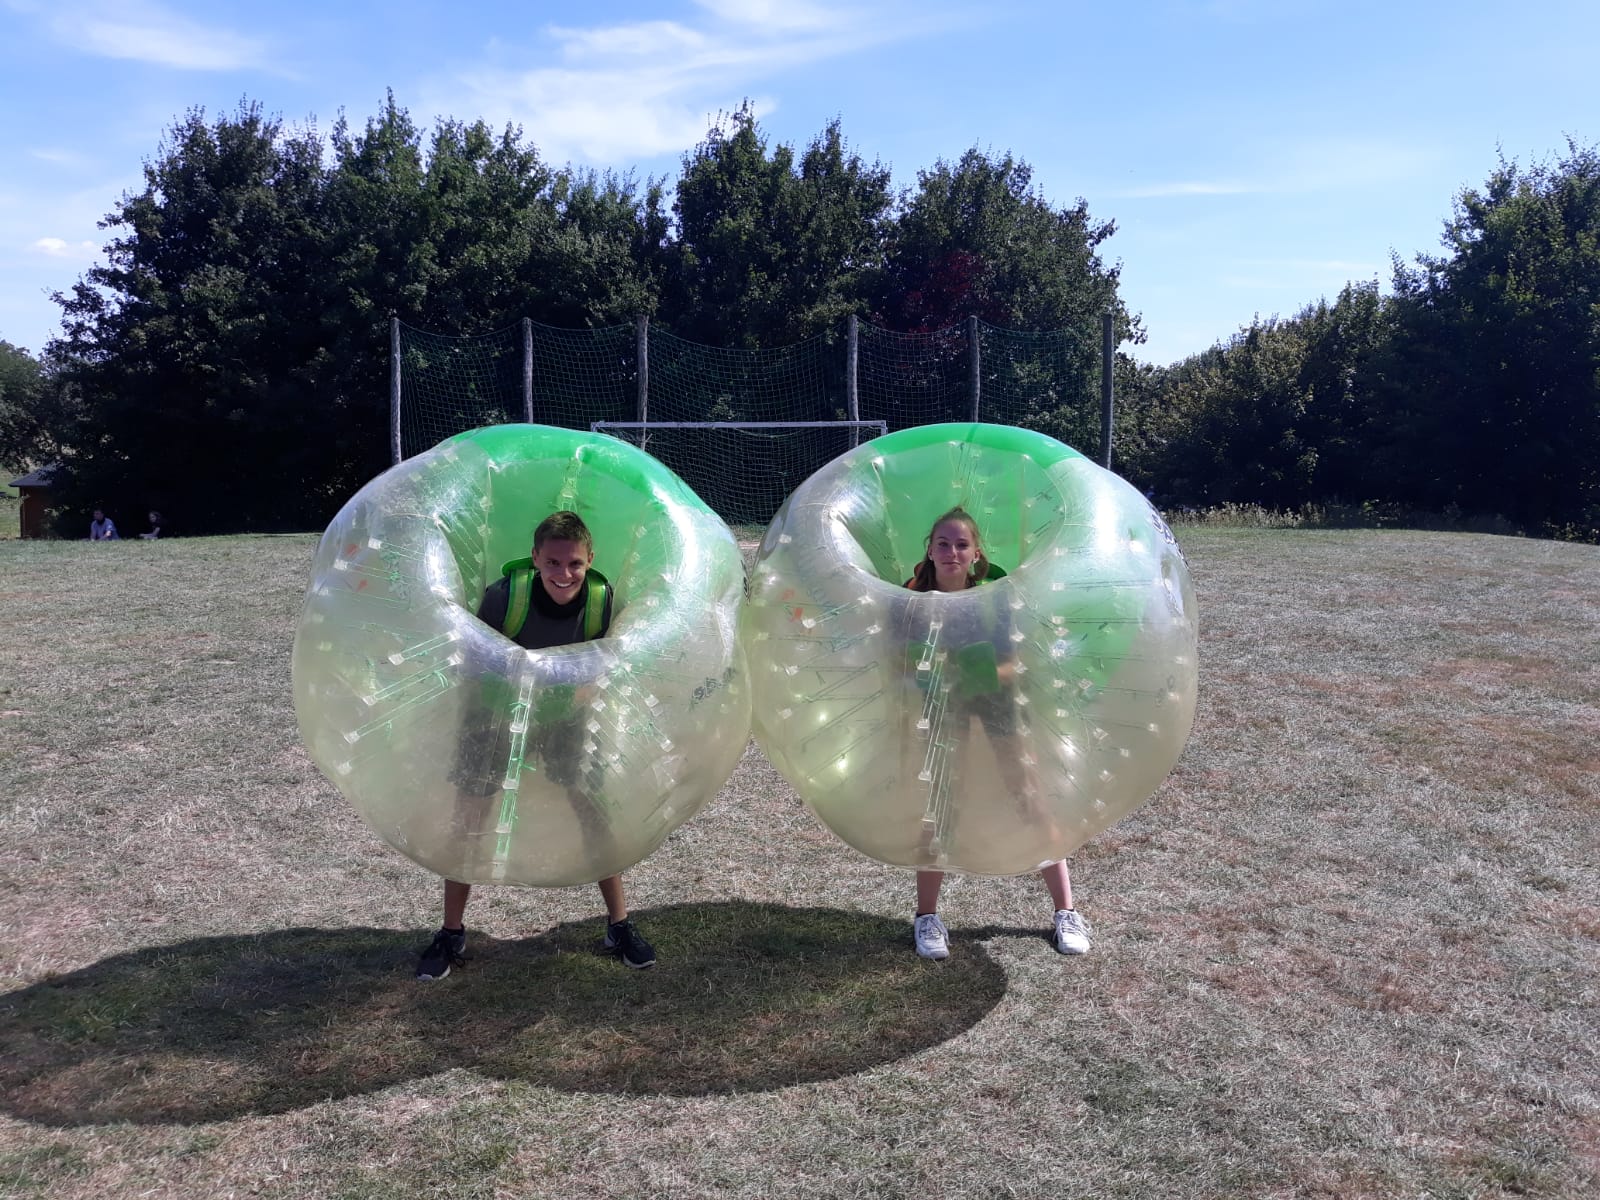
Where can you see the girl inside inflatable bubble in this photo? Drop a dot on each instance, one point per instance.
(940, 714)
(984, 682)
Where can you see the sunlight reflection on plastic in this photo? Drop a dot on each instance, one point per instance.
(992, 730)
(480, 760)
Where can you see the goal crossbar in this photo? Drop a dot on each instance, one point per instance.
(882, 427)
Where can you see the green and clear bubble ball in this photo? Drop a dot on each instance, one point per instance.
(992, 730)
(488, 763)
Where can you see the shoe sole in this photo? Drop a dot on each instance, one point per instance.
(430, 978)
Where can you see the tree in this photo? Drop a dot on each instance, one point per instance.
(189, 348)
(22, 387)
(1494, 377)
(1284, 414)
(772, 249)
(975, 239)
(1341, 375)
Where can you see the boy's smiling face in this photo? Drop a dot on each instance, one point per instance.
(563, 565)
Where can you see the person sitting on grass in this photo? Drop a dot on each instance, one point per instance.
(954, 562)
(155, 527)
(558, 613)
(102, 528)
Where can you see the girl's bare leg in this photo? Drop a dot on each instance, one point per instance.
(1059, 882)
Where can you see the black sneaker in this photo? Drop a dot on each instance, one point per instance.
(448, 949)
(624, 940)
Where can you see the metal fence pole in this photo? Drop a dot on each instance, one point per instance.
(977, 364)
(1108, 354)
(394, 389)
(527, 370)
(643, 326)
(852, 393)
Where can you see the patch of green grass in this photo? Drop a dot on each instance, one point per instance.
(1334, 515)
(752, 997)
(39, 1169)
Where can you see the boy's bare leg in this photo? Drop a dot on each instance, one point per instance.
(928, 884)
(611, 893)
(455, 902)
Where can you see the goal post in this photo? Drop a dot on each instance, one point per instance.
(743, 469)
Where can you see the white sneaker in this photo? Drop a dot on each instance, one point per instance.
(1072, 932)
(932, 937)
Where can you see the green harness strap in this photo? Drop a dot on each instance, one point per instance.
(522, 575)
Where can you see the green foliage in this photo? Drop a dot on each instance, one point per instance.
(191, 358)
(975, 239)
(1495, 364)
(228, 362)
(22, 386)
(1278, 416)
(772, 249)
(231, 356)
(1474, 389)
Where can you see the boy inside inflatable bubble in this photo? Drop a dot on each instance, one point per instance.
(553, 598)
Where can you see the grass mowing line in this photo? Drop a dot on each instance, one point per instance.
(1350, 949)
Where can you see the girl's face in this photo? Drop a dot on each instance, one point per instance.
(953, 549)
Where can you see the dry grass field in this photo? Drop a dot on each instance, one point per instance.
(1351, 948)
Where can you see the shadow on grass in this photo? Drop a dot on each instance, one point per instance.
(746, 997)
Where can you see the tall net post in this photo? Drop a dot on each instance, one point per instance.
(527, 370)
(1108, 350)
(394, 390)
(643, 349)
(852, 362)
(975, 354)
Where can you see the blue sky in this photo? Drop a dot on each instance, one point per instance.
(1255, 154)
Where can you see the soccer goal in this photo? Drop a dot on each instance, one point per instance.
(743, 469)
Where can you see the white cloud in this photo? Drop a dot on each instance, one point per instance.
(772, 14)
(647, 88)
(145, 31)
(1161, 190)
(58, 157)
(1326, 166)
(56, 247)
(647, 40)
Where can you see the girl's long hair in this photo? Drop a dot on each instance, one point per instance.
(923, 579)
